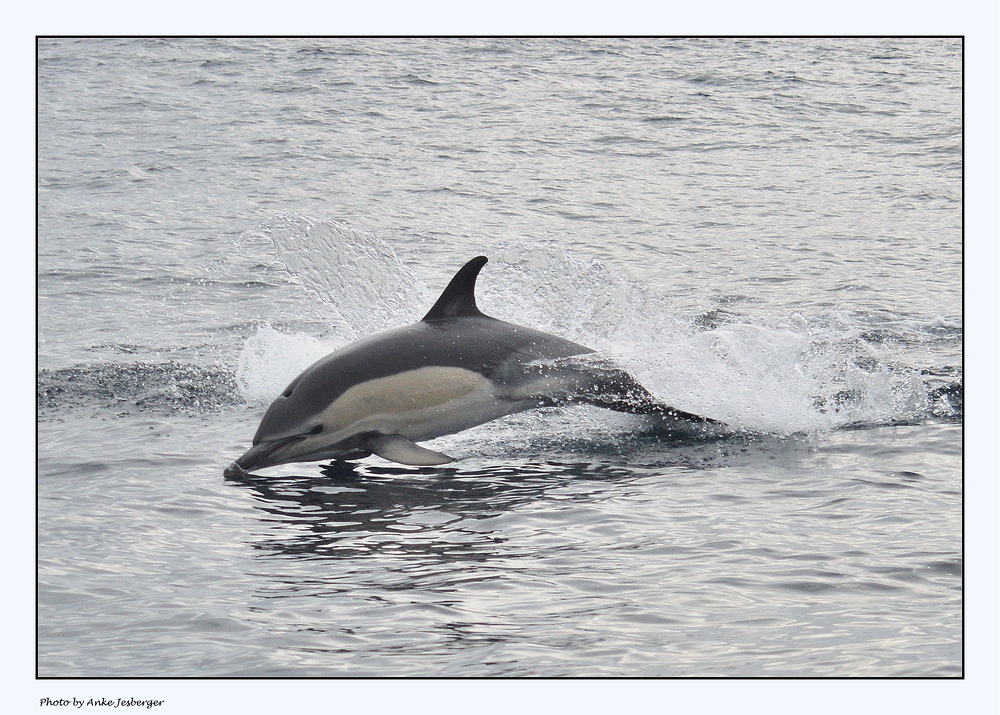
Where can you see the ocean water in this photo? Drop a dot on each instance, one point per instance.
(766, 232)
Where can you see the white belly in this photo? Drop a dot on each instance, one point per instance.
(418, 404)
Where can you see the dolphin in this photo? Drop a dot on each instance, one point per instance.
(455, 369)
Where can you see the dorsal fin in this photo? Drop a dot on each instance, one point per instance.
(459, 298)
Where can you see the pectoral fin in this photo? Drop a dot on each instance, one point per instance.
(397, 448)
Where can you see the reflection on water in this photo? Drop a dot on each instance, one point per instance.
(361, 509)
(353, 509)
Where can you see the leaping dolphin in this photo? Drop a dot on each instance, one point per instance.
(455, 369)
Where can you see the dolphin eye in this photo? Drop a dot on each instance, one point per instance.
(316, 430)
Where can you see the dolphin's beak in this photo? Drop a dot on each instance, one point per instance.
(259, 456)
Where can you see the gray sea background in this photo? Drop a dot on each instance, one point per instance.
(768, 232)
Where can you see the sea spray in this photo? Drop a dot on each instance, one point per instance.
(357, 275)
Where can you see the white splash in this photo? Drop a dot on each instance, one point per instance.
(271, 359)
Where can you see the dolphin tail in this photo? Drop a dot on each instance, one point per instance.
(625, 394)
(601, 383)
(668, 420)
